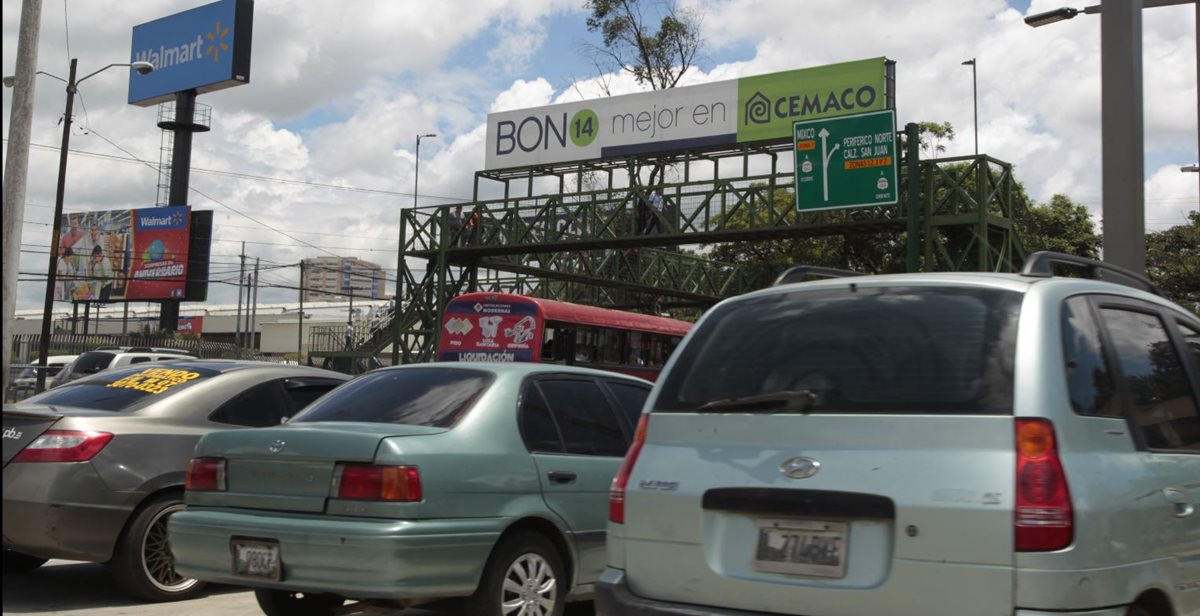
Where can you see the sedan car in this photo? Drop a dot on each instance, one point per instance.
(412, 484)
(93, 469)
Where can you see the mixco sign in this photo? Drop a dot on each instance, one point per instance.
(751, 109)
(203, 49)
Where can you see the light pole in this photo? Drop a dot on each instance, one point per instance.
(1122, 156)
(975, 99)
(400, 250)
(142, 68)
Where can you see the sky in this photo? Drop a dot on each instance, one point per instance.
(315, 156)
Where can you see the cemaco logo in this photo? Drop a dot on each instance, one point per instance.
(760, 109)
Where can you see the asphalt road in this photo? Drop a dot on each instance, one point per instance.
(78, 589)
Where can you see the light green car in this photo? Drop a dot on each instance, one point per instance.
(414, 484)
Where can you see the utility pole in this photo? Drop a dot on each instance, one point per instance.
(1123, 159)
(300, 319)
(253, 330)
(16, 167)
(237, 336)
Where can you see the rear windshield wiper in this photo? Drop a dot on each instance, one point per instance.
(797, 401)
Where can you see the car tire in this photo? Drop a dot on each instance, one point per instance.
(524, 568)
(16, 562)
(143, 564)
(285, 603)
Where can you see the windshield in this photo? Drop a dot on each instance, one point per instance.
(858, 349)
(123, 390)
(436, 397)
(91, 362)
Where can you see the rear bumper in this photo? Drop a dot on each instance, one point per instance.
(357, 558)
(613, 598)
(62, 510)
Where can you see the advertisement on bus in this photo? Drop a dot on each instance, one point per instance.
(123, 255)
(491, 331)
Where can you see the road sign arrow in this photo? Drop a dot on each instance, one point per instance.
(825, 160)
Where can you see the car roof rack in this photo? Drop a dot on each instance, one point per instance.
(1041, 265)
(805, 273)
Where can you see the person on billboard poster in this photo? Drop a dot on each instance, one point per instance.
(64, 275)
(73, 233)
(101, 273)
(95, 239)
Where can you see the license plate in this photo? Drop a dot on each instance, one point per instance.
(802, 547)
(256, 558)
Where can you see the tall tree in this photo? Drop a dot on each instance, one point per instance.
(1059, 225)
(1173, 262)
(657, 58)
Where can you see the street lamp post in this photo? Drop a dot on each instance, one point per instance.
(56, 225)
(975, 100)
(400, 250)
(1122, 156)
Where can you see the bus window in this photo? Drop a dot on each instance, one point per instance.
(585, 345)
(611, 346)
(548, 354)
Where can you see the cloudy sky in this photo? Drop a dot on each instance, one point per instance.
(315, 156)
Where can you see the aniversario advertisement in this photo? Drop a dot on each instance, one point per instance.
(123, 255)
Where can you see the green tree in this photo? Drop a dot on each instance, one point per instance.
(1173, 262)
(1059, 225)
(657, 58)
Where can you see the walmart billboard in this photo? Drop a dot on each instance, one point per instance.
(204, 49)
(750, 109)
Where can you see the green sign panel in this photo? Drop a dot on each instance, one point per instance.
(848, 161)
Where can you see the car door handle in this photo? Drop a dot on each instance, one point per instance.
(561, 476)
(1180, 502)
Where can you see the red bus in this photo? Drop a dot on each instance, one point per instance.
(506, 327)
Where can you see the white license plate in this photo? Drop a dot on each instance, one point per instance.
(256, 558)
(802, 547)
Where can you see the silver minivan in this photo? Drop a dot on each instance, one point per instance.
(919, 445)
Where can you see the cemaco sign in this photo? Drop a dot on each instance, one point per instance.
(750, 109)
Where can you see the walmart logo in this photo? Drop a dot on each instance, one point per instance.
(216, 42)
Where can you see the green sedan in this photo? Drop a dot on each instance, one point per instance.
(416, 484)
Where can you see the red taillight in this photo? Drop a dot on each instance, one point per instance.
(616, 494)
(1043, 518)
(205, 475)
(372, 482)
(64, 446)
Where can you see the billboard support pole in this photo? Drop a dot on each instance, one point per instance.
(300, 319)
(254, 311)
(237, 335)
(181, 167)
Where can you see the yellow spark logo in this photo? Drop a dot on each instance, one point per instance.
(216, 42)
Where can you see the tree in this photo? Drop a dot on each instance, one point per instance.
(1059, 225)
(931, 135)
(1173, 262)
(654, 58)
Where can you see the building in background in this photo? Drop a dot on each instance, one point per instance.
(335, 278)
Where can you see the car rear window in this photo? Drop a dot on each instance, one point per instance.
(124, 390)
(92, 362)
(435, 397)
(853, 350)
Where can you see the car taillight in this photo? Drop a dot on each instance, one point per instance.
(205, 475)
(64, 446)
(616, 494)
(382, 483)
(1043, 517)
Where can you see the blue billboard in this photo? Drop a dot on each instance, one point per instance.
(204, 49)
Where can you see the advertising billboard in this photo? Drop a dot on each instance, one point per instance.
(123, 255)
(751, 109)
(490, 331)
(190, 325)
(204, 49)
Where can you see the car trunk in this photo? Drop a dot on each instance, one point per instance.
(882, 514)
(21, 427)
(291, 468)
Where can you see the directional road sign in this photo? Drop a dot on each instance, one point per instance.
(847, 161)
